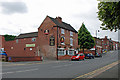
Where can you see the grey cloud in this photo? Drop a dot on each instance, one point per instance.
(13, 7)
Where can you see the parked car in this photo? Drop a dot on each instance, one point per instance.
(98, 55)
(79, 56)
(104, 51)
(89, 56)
(3, 53)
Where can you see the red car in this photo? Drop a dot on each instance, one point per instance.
(79, 56)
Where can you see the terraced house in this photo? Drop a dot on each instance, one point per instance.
(55, 39)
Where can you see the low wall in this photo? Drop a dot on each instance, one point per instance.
(64, 57)
(18, 59)
(88, 51)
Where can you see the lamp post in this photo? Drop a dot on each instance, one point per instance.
(96, 41)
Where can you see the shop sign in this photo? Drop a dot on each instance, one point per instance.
(52, 41)
(46, 32)
(62, 40)
(30, 45)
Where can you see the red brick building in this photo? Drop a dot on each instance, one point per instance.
(55, 39)
(98, 45)
(115, 45)
(105, 43)
(63, 35)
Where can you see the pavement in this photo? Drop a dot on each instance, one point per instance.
(105, 67)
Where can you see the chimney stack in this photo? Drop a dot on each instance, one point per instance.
(59, 19)
(105, 37)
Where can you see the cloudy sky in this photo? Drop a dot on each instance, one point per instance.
(24, 16)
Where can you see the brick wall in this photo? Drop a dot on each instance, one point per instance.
(45, 50)
(19, 49)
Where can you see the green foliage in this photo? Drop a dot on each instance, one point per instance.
(9, 37)
(85, 40)
(109, 14)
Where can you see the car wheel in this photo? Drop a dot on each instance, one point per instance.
(83, 58)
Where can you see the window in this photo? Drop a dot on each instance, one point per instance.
(16, 40)
(33, 39)
(62, 31)
(71, 33)
(71, 41)
(61, 52)
(71, 52)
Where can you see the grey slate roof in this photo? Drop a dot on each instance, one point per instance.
(63, 25)
(27, 35)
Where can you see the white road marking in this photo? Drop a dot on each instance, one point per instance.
(20, 71)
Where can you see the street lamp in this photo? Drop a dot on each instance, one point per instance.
(96, 41)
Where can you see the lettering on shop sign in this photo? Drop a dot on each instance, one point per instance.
(30, 45)
(52, 41)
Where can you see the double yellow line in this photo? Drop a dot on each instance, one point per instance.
(98, 71)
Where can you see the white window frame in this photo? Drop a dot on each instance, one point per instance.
(61, 49)
(69, 52)
(62, 31)
(33, 39)
(71, 43)
(71, 33)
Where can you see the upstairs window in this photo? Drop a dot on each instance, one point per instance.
(71, 33)
(62, 31)
(33, 39)
(71, 41)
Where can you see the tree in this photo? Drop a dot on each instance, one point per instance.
(85, 40)
(9, 37)
(109, 14)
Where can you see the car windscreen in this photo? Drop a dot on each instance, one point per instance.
(76, 55)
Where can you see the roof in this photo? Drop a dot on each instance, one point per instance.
(27, 35)
(63, 25)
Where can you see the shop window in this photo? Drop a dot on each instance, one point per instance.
(61, 52)
(33, 39)
(71, 41)
(62, 31)
(71, 33)
(71, 52)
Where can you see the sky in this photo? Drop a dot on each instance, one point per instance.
(24, 16)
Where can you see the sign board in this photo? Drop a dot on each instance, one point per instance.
(52, 41)
(62, 40)
(46, 32)
(30, 45)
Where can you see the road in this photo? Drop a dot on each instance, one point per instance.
(89, 68)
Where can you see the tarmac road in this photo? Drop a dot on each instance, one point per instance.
(93, 68)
